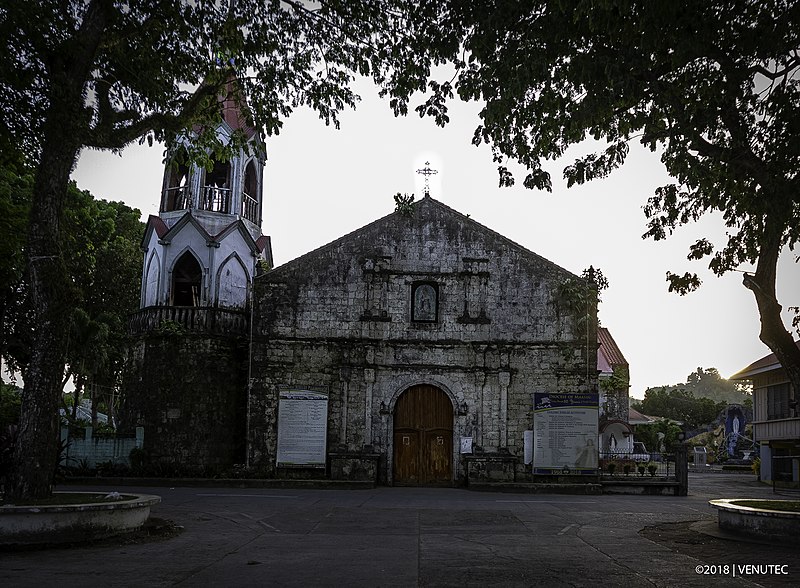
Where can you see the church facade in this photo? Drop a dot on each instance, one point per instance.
(426, 334)
(422, 349)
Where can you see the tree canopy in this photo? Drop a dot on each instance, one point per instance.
(679, 404)
(713, 87)
(150, 68)
(708, 383)
(101, 247)
(698, 401)
(103, 73)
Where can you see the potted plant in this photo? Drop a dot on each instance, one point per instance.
(611, 467)
(641, 468)
(652, 468)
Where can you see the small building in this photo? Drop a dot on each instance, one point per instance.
(616, 435)
(776, 420)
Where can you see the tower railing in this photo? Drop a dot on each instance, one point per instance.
(176, 198)
(215, 199)
(249, 208)
(192, 319)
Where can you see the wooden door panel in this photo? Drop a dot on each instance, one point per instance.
(439, 453)
(423, 437)
(423, 407)
(407, 457)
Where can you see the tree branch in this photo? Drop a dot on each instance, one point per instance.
(107, 134)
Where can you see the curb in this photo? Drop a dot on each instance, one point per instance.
(220, 483)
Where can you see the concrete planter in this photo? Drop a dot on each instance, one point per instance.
(30, 525)
(773, 525)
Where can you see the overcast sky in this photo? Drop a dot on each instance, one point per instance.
(320, 183)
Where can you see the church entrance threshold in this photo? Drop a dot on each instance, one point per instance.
(423, 438)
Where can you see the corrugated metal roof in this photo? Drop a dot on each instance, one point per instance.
(609, 349)
(765, 364)
(637, 418)
(602, 363)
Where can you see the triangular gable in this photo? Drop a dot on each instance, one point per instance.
(513, 244)
(187, 218)
(235, 226)
(603, 366)
(419, 208)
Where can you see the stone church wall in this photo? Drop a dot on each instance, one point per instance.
(340, 320)
(364, 381)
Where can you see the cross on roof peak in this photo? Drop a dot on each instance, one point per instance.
(427, 172)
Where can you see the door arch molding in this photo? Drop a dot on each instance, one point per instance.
(455, 400)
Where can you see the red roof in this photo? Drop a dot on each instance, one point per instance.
(609, 355)
(765, 364)
(234, 106)
(159, 225)
(637, 418)
(261, 242)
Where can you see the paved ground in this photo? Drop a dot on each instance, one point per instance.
(418, 537)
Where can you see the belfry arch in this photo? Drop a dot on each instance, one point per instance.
(177, 192)
(216, 194)
(187, 281)
(250, 192)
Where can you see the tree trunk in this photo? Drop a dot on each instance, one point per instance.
(35, 454)
(66, 121)
(773, 331)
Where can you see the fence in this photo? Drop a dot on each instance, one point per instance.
(89, 450)
(650, 473)
(632, 465)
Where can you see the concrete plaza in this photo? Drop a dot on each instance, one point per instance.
(402, 537)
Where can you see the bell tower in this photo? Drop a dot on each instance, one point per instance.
(185, 379)
(203, 247)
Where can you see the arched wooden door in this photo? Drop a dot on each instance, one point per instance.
(423, 438)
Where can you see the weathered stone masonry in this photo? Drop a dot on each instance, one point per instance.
(340, 319)
(188, 388)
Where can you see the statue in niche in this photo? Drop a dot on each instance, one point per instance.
(424, 307)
